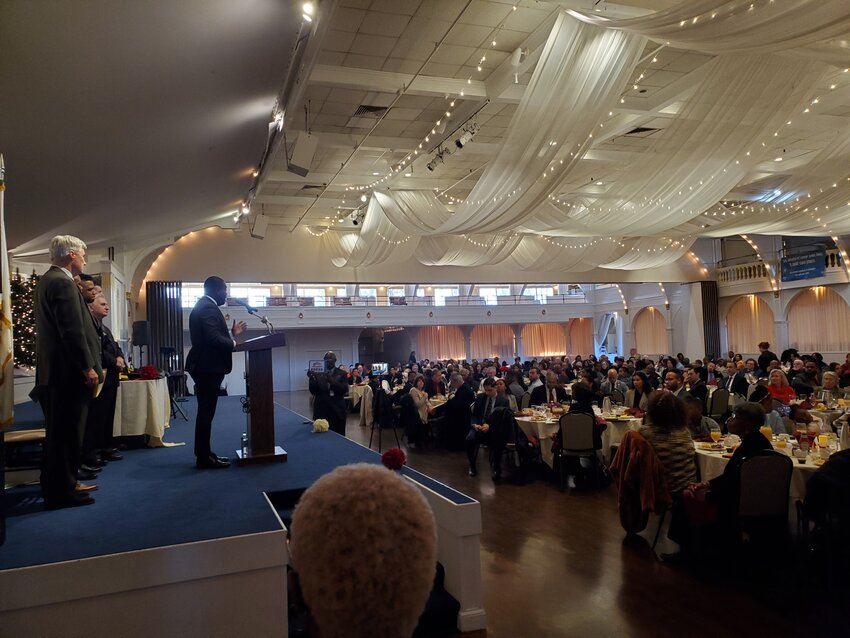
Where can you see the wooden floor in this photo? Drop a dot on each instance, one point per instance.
(557, 563)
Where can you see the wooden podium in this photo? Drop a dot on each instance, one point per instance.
(259, 388)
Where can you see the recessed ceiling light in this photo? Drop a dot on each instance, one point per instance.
(408, 174)
(778, 159)
(375, 173)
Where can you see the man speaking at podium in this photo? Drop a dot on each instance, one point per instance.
(209, 359)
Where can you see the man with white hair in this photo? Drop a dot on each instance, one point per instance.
(68, 370)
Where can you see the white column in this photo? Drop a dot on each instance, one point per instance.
(467, 341)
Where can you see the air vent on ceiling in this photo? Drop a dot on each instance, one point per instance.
(643, 131)
(368, 110)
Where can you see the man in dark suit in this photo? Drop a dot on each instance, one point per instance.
(329, 389)
(674, 382)
(454, 414)
(697, 387)
(209, 359)
(479, 433)
(97, 443)
(735, 380)
(67, 372)
(552, 392)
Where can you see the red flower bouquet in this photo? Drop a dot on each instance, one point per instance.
(148, 372)
(394, 458)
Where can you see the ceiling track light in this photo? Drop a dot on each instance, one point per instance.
(307, 11)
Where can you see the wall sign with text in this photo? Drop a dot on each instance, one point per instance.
(796, 267)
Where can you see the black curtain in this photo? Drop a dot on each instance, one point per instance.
(710, 318)
(165, 325)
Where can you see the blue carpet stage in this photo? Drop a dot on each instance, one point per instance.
(156, 497)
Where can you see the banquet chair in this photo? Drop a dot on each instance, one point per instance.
(577, 442)
(617, 397)
(764, 494)
(718, 404)
(525, 401)
(382, 417)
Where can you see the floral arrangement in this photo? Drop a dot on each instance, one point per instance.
(320, 425)
(394, 458)
(148, 372)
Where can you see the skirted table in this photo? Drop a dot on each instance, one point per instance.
(143, 407)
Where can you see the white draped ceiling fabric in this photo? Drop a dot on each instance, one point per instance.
(522, 208)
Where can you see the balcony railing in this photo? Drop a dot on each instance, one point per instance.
(452, 301)
(756, 270)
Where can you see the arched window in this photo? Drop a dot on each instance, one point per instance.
(650, 328)
(440, 342)
(543, 340)
(748, 323)
(580, 337)
(819, 320)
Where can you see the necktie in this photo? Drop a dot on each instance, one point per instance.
(489, 408)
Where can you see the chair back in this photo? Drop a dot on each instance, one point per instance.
(719, 402)
(525, 401)
(617, 397)
(577, 432)
(765, 485)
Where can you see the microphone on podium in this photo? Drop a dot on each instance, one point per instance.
(253, 311)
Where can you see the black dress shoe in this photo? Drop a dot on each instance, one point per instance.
(83, 475)
(211, 464)
(472, 472)
(85, 467)
(111, 456)
(77, 499)
(215, 456)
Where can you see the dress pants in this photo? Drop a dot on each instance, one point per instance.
(99, 424)
(476, 438)
(207, 387)
(65, 407)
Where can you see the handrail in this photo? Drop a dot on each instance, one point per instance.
(349, 301)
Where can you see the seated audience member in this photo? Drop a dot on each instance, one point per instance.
(845, 367)
(502, 391)
(515, 386)
(583, 401)
(712, 377)
(806, 381)
(384, 542)
(552, 392)
(724, 490)
(420, 397)
(489, 373)
(796, 368)
(699, 424)
(696, 386)
(434, 384)
(612, 385)
(637, 397)
(674, 383)
(467, 376)
(484, 406)
(772, 418)
(751, 371)
(735, 380)
(534, 379)
(667, 431)
(788, 355)
(830, 385)
(779, 388)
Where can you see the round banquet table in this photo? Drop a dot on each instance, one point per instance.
(613, 434)
(543, 431)
(711, 464)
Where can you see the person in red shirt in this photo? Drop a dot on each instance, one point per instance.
(779, 388)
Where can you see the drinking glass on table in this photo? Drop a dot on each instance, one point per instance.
(715, 433)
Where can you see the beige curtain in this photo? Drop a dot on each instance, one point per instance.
(580, 337)
(748, 323)
(488, 341)
(440, 342)
(543, 340)
(819, 320)
(650, 328)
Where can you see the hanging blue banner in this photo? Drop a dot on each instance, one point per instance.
(809, 266)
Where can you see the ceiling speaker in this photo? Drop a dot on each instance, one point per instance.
(258, 230)
(302, 154)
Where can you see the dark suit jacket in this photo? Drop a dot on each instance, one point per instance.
(212, 345)
(455, 411)
(739, 384)
(67, 344)
(725, 488)
(700, 391)
(481, 405)
(540, 395)
(110, 352)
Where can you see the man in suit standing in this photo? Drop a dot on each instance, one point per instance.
(736, 380)
(329, 389)
(454, 413)
(552, 392)
(67, 372)
(479, 432)
(209, 359)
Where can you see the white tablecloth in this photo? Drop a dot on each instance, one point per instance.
(711, 464)
(143, 407)
(355, 393)
(543, 431)
(613, 434)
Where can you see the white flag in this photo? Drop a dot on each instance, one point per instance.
(7, 377)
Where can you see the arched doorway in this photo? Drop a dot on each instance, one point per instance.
(749, 322)
(650, 329)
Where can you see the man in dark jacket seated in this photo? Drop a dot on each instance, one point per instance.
(454, 413)
(479, 433)
(551, 392)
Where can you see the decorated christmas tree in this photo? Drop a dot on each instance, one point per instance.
(23, 318)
